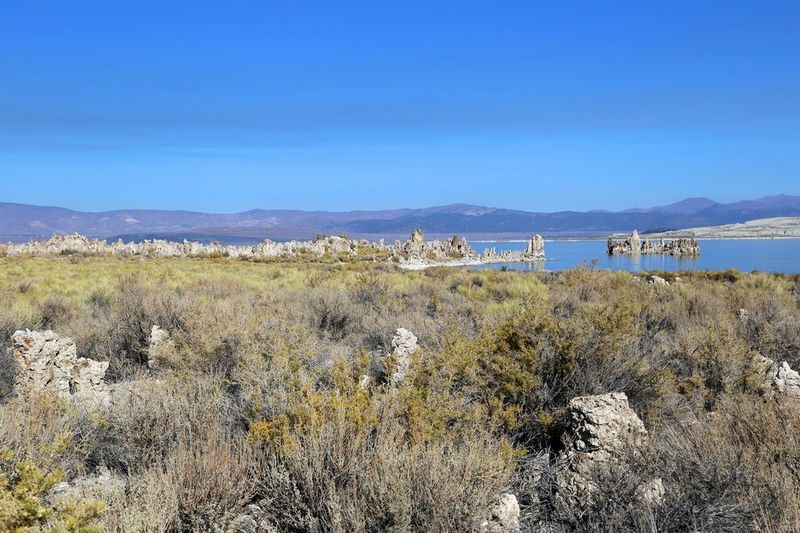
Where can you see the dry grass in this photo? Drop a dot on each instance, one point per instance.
(255, 399)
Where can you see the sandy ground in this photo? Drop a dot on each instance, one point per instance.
(763, 228)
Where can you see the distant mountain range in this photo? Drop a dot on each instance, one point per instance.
(20, 222)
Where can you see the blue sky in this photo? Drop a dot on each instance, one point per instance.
(227, 106)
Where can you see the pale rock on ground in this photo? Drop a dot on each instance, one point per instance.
(252, 519)
(658, 280)
(504, 516)
(785, 380)
(101, 483)
(157, 337)
(777, 378)
(365, 381)
(601, 431)
(48, 362)
(404, 344)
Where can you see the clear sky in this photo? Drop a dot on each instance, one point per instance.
(227, 106)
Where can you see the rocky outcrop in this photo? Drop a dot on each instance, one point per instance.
(393, 368)
(158, 337)
(48, 362)
(784, 380)
(78, 244)
(535, 248)
(634, 241)
(504, 516)
(682, 247)
(602, 432)
(417, 249)
(635, 245)
(775, 378)
(416, 252)
(534, 251)
(404, 344)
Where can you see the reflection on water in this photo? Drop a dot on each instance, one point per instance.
(773, 255)
(538, 265)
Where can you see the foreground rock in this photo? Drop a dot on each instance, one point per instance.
(504, 516)
(658, 280)
(602, 433)
(158, 337)
(635, 245)
(404, 344)
(48, 362)
(393, 368)
(775, 378)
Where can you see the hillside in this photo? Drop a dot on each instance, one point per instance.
(21, 222)
(763, 228)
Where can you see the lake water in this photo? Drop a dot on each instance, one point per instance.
(773, 255)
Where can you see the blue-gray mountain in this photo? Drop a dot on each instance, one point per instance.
(19, 222)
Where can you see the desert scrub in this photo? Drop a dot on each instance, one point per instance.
(346, 475)
(262, 372)
(45, 430)
(24, 504)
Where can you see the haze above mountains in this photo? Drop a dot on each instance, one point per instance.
(21, 222)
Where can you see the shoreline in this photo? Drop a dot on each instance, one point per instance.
(423, 265)
(649, 236)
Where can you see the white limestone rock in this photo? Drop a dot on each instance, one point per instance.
(504, 516)
(776, 378)
(635, 245)
(404, 344)
(158, 337)
(601, 431)
(48, 362)
(535, 248)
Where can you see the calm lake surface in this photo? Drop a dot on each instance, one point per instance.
(775, 255)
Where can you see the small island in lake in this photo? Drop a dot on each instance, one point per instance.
(636, 245)
(415, 253)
